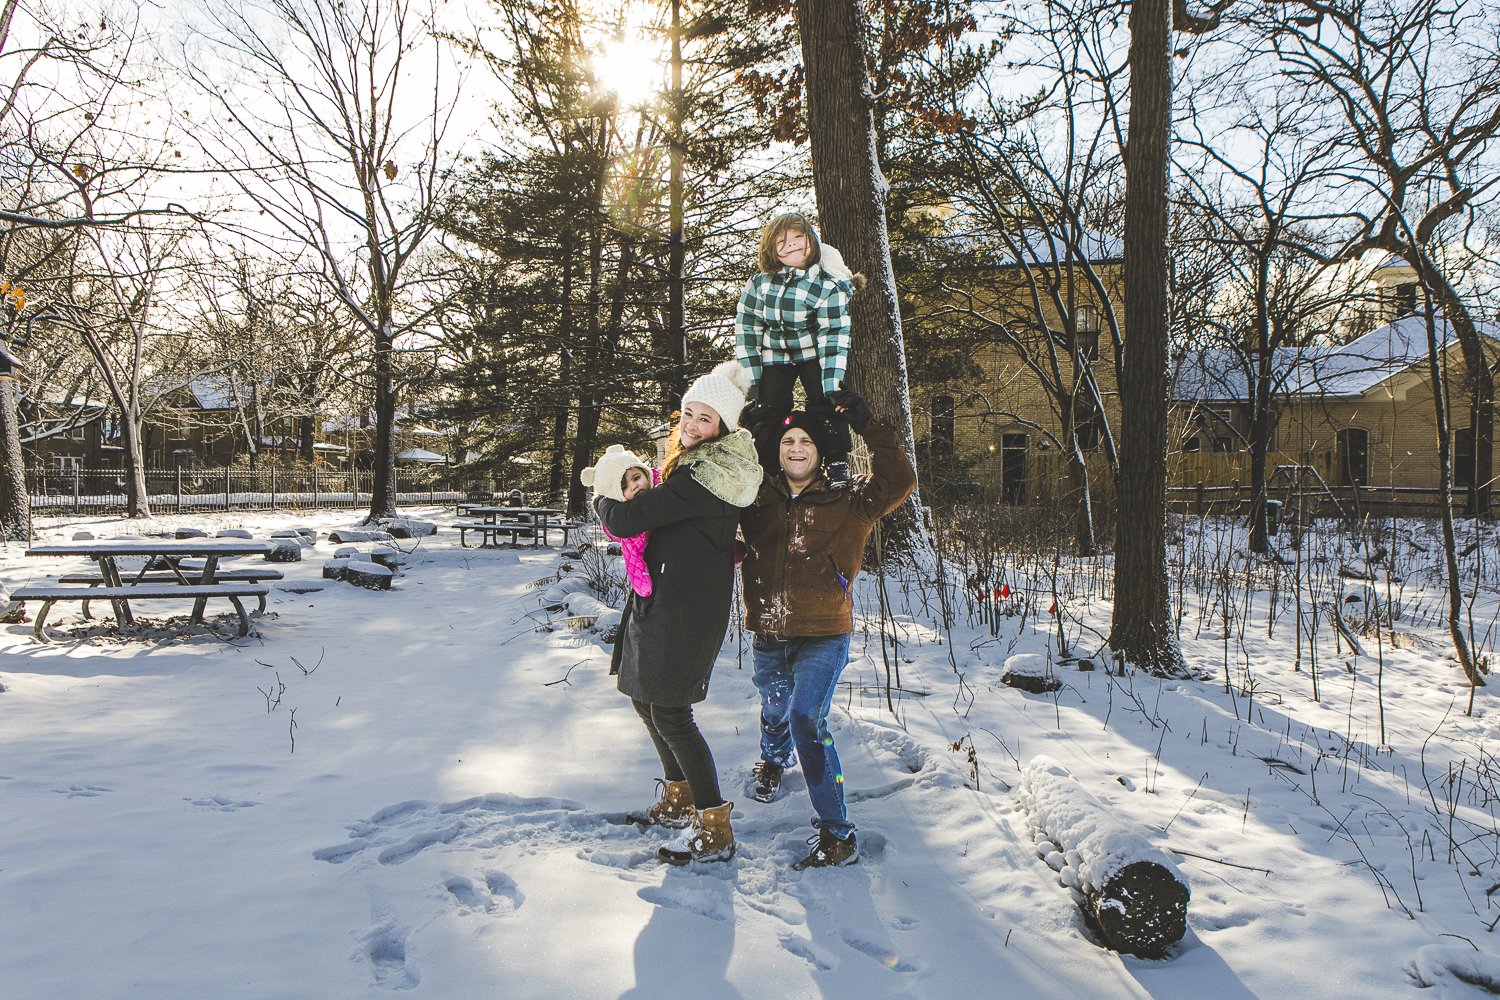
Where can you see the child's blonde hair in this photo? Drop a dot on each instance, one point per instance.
(778, 227)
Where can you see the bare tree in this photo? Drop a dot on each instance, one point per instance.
(72, 158)
(339, 118)
(851, 193)
(1411, 94)
(118, 303)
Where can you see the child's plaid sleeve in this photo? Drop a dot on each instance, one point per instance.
(834, 336)
(747, 331)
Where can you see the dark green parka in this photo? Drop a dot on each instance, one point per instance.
(668, 642)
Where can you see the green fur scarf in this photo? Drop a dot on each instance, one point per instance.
(727, 467)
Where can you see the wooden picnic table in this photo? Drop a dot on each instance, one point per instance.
(170, 553)
(536, 519)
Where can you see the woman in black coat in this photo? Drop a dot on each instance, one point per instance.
(668, 642)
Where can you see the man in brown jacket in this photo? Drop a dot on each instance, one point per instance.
(805, 543)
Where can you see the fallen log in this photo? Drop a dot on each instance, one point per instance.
(1131, 894)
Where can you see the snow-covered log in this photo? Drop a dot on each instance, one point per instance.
(1030, 672)
(405, 527)
(368, 575)
(185, 533)
(233, 533)
(1132, 894)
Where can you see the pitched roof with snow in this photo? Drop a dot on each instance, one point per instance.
(1345, 370)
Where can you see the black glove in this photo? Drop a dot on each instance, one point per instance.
(853, 407)
(752, 415)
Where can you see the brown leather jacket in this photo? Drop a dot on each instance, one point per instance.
(803, 552)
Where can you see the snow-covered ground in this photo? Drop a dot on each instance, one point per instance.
(422, 790)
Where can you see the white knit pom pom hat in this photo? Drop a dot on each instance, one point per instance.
(607, 475)
(724, 389)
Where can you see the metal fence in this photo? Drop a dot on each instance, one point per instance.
(103, 491)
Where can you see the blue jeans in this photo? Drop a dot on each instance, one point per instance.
(796, 679)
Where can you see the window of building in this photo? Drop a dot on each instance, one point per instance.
(1405, 298)
(1086, 322)
(1192, 444)
(67, 463)
(1013, 468)
(1223, 444)
(1463, 457)
(942, 424)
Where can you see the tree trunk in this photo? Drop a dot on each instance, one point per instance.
(383, 462)
(137, 500)
(1142, 627)
(851, 193)
(1479, 379)
(1445, 480)
(15, 502)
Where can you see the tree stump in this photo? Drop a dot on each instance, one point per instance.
(1131, 893)
(368, 575)
(233, 533)
(183, 533)
(1030, 672)
(387, 556)
(286, 550)
(334, 569)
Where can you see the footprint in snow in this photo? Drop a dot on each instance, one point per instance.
(220, 803)
(496, 893)
(384, 947)
(81, 791)
(398, 833)
(879, 952)
(812, 954)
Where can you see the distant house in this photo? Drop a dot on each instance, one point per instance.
(1047, 300)
(1361, 414)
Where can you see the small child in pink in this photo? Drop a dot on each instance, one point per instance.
(621, 475)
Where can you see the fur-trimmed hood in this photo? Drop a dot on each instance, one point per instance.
(727, 467)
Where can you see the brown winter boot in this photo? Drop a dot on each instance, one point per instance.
(708, 839)
(673, 807)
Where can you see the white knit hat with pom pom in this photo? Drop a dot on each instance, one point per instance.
(607, 475)
(724, 389)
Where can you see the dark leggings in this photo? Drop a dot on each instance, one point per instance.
(683, 751)
(775, 396)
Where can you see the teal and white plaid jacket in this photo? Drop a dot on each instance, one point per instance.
(791, 316)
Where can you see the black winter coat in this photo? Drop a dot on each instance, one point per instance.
(668, 642)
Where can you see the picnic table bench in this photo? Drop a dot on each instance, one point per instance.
(50, 594)
(97, 581)
(163, 576)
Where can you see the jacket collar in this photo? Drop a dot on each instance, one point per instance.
(817, 491)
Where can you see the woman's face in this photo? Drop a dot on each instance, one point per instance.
(700, 422)
(793, 248)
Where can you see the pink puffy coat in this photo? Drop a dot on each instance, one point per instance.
(634, 551)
